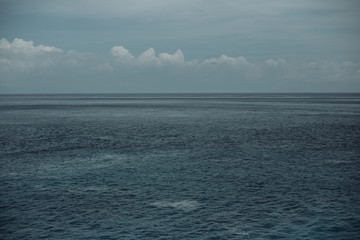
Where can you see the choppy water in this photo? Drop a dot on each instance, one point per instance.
(198, 166)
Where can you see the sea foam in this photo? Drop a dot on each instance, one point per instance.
(184, 205)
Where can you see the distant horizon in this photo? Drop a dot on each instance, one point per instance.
(182, 93)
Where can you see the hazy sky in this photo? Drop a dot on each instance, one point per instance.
(76, 46)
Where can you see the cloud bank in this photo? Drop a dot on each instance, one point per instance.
(26, 47)
(25, 67)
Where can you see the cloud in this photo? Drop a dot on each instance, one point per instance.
(147, 57)
(26, 47)
(24, 66)
(177, 57)
(223, 59)
(275, 63)
(20, 55)
(349, 64)
(264, 29)
(331, 71)
(121, 53)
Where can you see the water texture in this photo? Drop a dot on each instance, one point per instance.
(180, 166)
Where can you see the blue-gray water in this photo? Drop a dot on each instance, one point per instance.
(182, 166)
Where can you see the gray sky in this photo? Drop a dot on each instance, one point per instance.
(72, 46)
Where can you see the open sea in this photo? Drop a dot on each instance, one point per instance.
(180, 166)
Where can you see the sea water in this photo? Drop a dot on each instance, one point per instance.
(180, 166)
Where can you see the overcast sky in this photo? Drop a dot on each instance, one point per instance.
(89, 46)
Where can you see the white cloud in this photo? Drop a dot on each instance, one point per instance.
(152, 72)
(223, 59)
(20, 55)
(121, 52)
(148, 56)
(26, 47)
(275, 63)
(177, 57)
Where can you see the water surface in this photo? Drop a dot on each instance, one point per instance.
(180, 166)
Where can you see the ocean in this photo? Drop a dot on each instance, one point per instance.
(180, 166)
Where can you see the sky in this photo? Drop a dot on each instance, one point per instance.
(171, 46)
